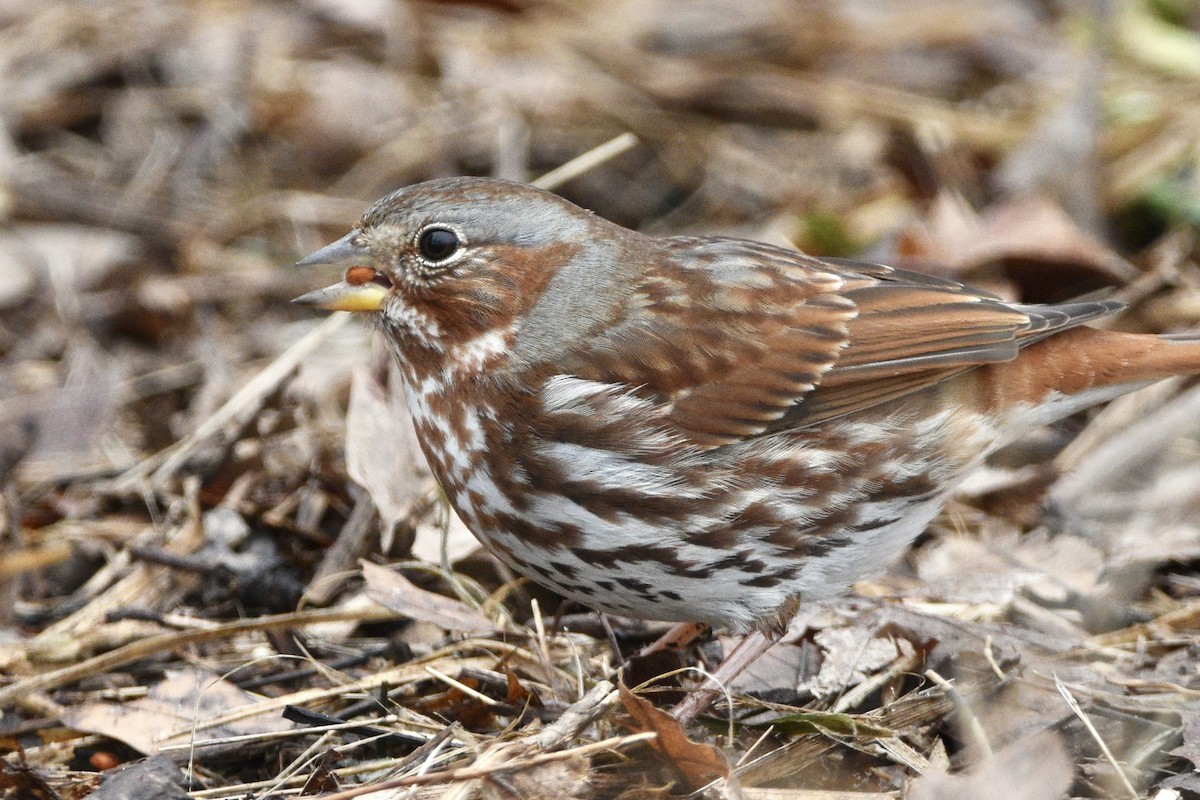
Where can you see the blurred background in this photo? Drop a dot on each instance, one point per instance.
(163, 163)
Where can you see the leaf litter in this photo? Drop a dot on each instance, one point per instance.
(226, 569)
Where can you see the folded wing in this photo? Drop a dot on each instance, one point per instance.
(734, 337)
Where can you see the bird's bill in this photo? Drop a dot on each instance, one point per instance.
(342, 253)
(362, 290)
(344, 296)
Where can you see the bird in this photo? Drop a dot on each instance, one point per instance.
(701, 428)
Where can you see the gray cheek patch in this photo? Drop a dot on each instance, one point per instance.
(573, 304)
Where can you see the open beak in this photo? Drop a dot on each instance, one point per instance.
(363, 289)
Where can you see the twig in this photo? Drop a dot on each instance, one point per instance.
(154, 645)
(462, 687)
(237, 410)
(1091, 729)
(539, 626)
(267, 736)
(587, 161)
(577, 717)
(990, 656)
(569, 725)
(357, 539)
(971, 725)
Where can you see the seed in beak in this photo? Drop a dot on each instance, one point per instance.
(357, 276)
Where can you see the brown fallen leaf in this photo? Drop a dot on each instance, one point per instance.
(323, 779)
(168, 712)
(393, 591)
(1041, 253)
(696, 764)
(518, 693)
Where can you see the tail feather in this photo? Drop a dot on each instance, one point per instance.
(1092, 365)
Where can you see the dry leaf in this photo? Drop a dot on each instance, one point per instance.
(155, 778)
(851, 653)
(454, 538)
(393, 591)
(167, 714)
(382, 454)
(1190, 749)
(697, 764)
(785, 666)
(1031, 239)
(518, 693)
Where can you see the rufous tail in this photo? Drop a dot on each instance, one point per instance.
(1084, 362)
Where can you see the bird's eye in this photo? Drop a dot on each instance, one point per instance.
(437, 244)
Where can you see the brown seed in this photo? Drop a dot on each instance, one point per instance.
(358, 275)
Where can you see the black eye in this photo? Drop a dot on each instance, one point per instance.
(437, 244)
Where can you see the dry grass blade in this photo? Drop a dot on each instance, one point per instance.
(1095, 734)
(237, 411)
(497, 766)
(153, 645)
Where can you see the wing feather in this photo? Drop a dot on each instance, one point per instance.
(732, 338)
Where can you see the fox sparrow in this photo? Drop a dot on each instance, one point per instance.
(700, 428)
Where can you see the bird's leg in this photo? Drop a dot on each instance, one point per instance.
(769, 631)
(743, 655)
(613, 644)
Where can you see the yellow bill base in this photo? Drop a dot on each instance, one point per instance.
(346, 297)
